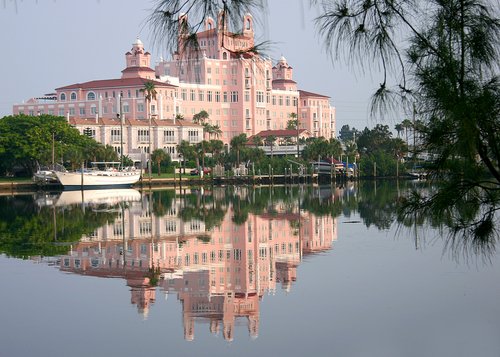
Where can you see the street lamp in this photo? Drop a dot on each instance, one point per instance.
(149, 149)
(119, 116)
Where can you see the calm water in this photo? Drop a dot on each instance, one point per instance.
(239, 272)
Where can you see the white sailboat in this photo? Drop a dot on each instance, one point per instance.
(109, 177)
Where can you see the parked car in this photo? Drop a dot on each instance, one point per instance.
(206, 171)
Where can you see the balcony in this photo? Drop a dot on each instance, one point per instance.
(169, 140)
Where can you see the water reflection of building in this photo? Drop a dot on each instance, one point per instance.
(219, 276)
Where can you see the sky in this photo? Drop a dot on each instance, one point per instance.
(52, 43)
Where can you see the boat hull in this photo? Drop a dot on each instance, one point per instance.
(97, 179)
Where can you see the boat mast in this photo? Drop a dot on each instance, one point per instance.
(53, 150)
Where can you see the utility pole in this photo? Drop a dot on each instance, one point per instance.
(120, 116)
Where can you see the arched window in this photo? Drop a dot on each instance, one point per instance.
(224, 56)
(248, 24)
(63, 97)
(90, 96)
(73, 96)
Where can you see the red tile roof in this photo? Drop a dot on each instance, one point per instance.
(284, 81)
(114, 83)
(281, 133)
(132, 122)
(137, 69)
(303, 93)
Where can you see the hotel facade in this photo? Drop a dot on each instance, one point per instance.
(243, 92)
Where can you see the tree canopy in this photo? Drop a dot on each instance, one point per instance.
(26, 141)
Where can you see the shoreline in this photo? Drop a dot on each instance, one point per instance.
(145, 184)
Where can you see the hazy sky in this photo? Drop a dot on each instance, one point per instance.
(52, 43)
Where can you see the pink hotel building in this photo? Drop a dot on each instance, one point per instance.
(242, 93)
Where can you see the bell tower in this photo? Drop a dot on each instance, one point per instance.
(138, 62)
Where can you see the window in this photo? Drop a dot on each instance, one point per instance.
(234, 97)
(93, 110)
(193, 136)
(73, 96)
(82, 111)
(201, 96)
(91, 96)
(168, 136)
(209, 96)
(217, 96)
(247, 96)
(171, 226)
(224, 97)
(184, 94)
(260, 96)
(140, 107)
(61, 112)
(143, 135)
(274, 100)
(115, 135)
(126, 108)
(63, 97)
(192, 95)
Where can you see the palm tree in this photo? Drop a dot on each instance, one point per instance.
(216, 146)
(216, 130)
(270, 140)
(158, 156)
(201, 117)
(150, 92)
(399, 128)
(237, 143)
(203, 147)
(185, 150)
(257, 141)
(407, 124)
(292, 124)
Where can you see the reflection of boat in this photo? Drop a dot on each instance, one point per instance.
(98, 197)
(418, 173)
(95, 178)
